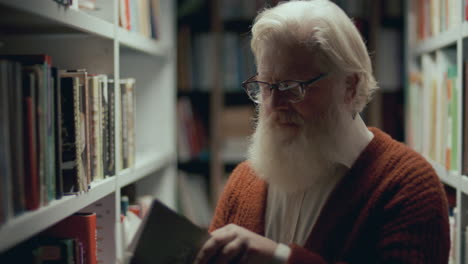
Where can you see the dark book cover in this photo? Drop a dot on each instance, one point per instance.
(70, 138)
(16, 134)
(50, 126)
(51, 250)
(105, 124)
(181, 243)
(58, 133)
(111, 164)
(465, 121)
(82, 130)
(6, 203)
(124, 140)
(32, 181)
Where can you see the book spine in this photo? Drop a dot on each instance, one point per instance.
(80, 135)
(50, 132)
(93, 127)
(16, 131)
(70, 106)
(87, 124)
(124, 124)
(118, 128)
(58, 138)
(131, 116)
(111, 166)
(31, 184)
(6, 203)
(105, 125)
(42, 110)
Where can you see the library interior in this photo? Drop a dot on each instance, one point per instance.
(233, 131)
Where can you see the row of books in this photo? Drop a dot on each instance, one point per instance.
(140, 16)
(196, 60)
(192, 134)
(72, 240)
(432, 119)
(58, 130)
(428, 18)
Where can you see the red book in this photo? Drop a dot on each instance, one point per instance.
(466, 9)
(80, 226)
(31, 183)
(127, 14)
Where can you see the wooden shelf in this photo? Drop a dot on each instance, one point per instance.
(51, 12)
(30, 223)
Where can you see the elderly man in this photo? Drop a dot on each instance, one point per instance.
(319, 186)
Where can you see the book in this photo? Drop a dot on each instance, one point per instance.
(16, 135)
(74, 179)
(103, 86)
(111, 162)
(95, 128)
(80, 226)
(58, 132)
(32, 181)
(180, 243)
(41, 64)
(54, 251)
(6, 203)
(128, 122)
(124, 136)
(105, 228)
(84, 117)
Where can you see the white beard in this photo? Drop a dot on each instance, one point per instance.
(293, 161)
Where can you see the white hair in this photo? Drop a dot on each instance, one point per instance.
(321, 26)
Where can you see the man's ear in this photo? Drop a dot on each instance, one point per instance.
(351, 87)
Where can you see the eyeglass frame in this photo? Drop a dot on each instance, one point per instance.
(302, 84)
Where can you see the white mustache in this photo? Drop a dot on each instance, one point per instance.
(287, 117)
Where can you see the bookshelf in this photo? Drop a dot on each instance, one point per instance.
(93, 40)
(219, 30)
(436, 53)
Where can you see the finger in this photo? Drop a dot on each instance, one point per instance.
(230, 252)
(211, 247)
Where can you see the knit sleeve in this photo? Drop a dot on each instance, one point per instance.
(413, 226)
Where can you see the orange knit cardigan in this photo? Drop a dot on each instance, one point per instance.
(389, 208)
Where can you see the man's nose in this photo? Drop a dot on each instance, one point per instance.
(279, 100)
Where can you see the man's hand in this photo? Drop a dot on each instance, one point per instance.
(235, 244)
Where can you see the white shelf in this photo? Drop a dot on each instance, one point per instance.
(464, 184)
(139, 42)
(450, 178)
(439, 41)
(33, 222)
(145, 165)
(70, 17)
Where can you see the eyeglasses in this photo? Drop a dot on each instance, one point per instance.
(294, 90)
